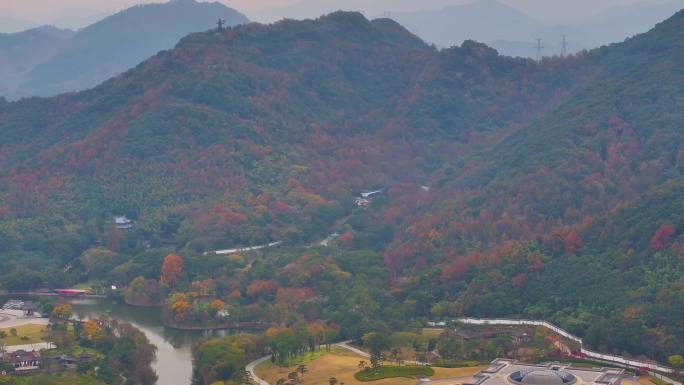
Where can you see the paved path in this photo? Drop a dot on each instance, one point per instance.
(250, 369)
(30, 347)
(444, 381)
(345, 345)
(243, 249)
(13, 318)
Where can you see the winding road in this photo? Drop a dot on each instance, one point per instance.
(250, 369)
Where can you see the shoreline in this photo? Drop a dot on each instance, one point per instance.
(44, 294)
(238, 326)
(141, 306)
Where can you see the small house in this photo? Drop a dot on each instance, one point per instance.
(362, 202)
(122, 223)
(23, 361)
(29, 308)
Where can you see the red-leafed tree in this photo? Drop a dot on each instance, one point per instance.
(172, 268)
(346, 239)
(662, 237)
(456, 269)
(519, 280)
(572, 242)
(261, 288)
(114, 238)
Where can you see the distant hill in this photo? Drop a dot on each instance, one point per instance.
(513, 32)
(79, 20)
(618, 23)
(481, 20)
(12, 25)
(22, 51)
(111, 46)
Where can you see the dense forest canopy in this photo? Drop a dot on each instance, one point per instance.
(509, 187)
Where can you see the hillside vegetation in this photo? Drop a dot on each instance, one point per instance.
(509, 187)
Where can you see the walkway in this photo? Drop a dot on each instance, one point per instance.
(619, 360)
(12, 318)
(250, 369)
(444, 381)
(345, 345)
(244, 249)
(30, 347)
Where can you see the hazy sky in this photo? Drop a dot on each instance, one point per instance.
(556, 10)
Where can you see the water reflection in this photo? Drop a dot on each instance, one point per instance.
(174, 347)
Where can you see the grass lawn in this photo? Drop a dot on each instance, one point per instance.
(339, 363)
(304, 359)
(650, 380)
(343, 364)
(63, 379)
(458, 372)
(389, 371)
(83, 286)
(75, 351)
(33, 334)
(432, 332)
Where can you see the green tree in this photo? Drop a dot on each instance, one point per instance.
(376, 343)
(677, 362)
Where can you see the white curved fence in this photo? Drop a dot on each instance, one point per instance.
(586, 352)
(244, 249)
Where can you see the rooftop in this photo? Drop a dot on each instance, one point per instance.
(511, 372)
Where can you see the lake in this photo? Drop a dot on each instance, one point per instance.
(174, 355)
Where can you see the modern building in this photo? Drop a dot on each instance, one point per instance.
(512, 372)
(122, 223)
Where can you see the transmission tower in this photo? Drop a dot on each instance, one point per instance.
(564, 45)
(220, 24)
(539, 49)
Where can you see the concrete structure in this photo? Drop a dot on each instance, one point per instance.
(10, 318)
(511, 372)
(122, 223)
(244, 249)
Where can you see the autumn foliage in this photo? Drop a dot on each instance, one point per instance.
(662, 237)
(171, 270)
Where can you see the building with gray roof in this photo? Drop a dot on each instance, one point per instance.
(512, 372)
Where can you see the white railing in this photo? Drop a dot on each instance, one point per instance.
(586, 352)
(244, 249)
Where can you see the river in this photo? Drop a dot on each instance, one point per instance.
(174, 355)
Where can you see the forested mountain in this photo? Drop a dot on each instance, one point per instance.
(510, 187)
(107, 47)
(22, 51)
